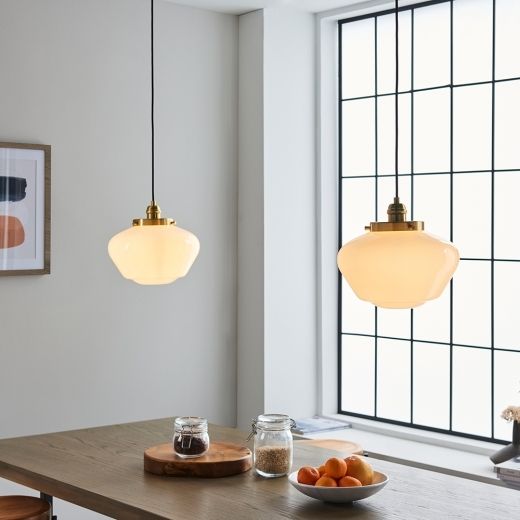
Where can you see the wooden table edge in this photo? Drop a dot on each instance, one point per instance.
(88, 499)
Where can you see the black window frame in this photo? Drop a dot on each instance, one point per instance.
(341, 334)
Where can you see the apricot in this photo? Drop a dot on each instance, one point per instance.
(347, 481)
(359, 468)
(326, 481)
(335, 467)
(322, 470)
(308, 475)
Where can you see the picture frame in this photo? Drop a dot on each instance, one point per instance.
(25, 209)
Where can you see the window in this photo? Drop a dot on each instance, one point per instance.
(453, 364)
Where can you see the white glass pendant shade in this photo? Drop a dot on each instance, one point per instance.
(396, 264)
(398, 269)
(153, 254)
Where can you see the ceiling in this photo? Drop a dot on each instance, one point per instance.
(244, 6)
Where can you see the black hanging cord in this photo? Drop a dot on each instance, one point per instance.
(397, 98)
(153, 96)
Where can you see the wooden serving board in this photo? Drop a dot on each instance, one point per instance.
(345, 447)
(222, 460)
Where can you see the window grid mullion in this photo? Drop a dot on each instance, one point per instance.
(412, 205)
(493, 69)
(376, 191)
(436, 87)
(433, 342)
(377, 176)
(451, 213)
(460, 172)
(340, 212)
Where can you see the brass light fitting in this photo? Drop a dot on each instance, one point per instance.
(396, 220)
(153, 217)
(154, 250)
(397, 270)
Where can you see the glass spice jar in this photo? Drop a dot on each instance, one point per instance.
(190, 437)
(273, 444)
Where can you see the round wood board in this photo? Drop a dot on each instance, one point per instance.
(31, 508)
(346, 447)
(222, 460)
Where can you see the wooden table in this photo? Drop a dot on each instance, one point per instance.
(102, 469)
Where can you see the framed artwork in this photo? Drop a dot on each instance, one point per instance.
(25, 208)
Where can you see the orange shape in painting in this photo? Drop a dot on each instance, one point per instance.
(12, 233)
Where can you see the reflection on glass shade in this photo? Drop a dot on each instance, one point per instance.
(154, 254)
(12, 233)
(398, 269)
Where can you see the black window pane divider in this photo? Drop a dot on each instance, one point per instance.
(428, 89)
(340, 213)
(416, 339)
(391, 11)
(492, 307)
(376, 191)
(412, 98)
(461, 172)
(451, 212)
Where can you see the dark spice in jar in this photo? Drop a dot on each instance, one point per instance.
(189, 445)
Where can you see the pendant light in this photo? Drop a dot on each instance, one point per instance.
(396, 264)
(154, 250)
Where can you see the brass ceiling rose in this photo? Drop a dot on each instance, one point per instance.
(396, 220)
(153, 217)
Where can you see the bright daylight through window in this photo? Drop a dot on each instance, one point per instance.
(453, 364)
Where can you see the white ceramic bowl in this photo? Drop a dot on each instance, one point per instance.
(340, 494)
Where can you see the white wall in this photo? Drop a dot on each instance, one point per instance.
(277, 341)
(290, 212)
(251, 272)
(83, 346)
(327, 212)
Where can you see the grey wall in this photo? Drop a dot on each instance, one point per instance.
(277, 215)
(290, 212)
(84, 346)
(251, 276)
(237, 336)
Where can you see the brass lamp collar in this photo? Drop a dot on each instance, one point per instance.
(396, 220)
(153, 217)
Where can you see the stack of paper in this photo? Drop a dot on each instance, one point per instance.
(509, 472)
(319, 424)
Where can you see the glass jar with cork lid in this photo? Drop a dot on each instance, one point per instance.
(273, 444)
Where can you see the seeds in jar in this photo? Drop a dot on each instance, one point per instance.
(275, 460)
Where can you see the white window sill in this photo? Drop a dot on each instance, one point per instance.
(447, 454)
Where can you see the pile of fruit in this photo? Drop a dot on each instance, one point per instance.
(336, 472)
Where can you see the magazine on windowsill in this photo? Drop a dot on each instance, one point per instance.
(510, 468)
(319, 424)
(510, 478)
(510, 481)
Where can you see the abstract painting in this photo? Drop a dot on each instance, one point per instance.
(25, 175)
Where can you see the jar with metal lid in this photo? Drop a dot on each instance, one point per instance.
(190, 437)
(273, 444)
